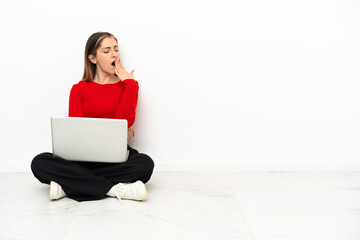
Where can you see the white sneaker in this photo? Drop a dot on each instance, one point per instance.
(56, 191)
(132, 191)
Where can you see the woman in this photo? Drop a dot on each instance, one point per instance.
(107, 90)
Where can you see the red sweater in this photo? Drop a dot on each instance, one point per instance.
(114, 100)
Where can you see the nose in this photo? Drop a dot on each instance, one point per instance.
(114, 54)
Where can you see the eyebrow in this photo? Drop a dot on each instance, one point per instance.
(110, 47)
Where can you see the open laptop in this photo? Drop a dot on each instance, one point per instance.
(89, 139)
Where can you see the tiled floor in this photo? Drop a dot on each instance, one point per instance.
(241, 205)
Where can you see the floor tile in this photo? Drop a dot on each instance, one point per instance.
(189, 179)
(155, 223)
(308, 238)
(297, 197)
(348, 180)
(27, 213)
(192, 196)
(280, 223)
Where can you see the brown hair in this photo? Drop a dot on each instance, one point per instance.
(92, 45)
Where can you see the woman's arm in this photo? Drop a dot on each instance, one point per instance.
(129, 96)
(128, 102)
(76, 104)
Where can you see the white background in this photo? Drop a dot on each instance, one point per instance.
(224, 85)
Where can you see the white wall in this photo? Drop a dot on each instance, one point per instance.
(226, 85)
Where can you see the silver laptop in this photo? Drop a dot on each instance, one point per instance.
(89, 139)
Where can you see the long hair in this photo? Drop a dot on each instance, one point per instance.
(92, 45)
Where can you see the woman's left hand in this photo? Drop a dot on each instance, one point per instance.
(121, 72)
(131, 132)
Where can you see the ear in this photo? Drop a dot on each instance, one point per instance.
(92, 59)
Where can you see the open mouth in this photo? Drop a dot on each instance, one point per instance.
(113, 63)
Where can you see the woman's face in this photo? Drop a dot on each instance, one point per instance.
(106, 55)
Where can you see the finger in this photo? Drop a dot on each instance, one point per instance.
(118, 73)
(121, 68)
(120, 64)
(117, 62)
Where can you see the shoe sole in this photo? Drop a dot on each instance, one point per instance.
(51, 190)
(143, 190)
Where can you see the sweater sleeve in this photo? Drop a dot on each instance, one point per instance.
(128, 101)
(76, 103)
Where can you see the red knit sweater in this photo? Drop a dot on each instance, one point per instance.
(114, 100)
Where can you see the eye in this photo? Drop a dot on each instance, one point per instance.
(106, 52)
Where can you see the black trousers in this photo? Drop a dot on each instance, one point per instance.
(84, 181)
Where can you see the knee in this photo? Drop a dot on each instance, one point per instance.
(147, 163)
(147, 168)
(38, 160)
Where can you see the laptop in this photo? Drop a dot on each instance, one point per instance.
(89, 139)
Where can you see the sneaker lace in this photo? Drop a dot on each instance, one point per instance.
(118, 196)
(125, 191)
